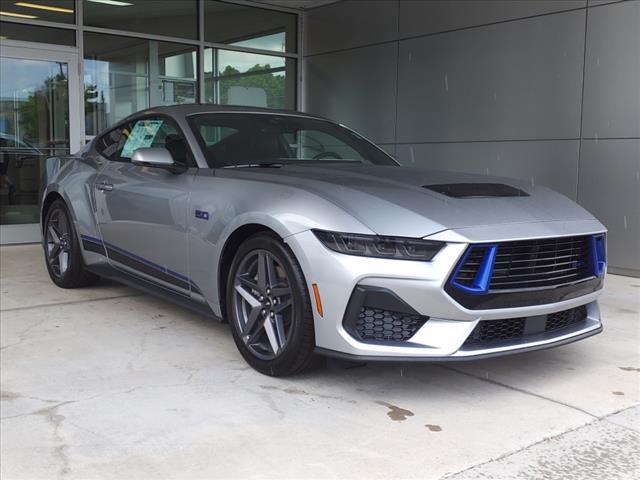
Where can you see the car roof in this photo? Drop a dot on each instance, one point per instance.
(196, 108)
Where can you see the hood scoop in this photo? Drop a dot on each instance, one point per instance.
(476, 190)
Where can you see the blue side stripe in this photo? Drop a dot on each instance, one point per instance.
(177, 275)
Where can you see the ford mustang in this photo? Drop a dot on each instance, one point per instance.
(310, 240)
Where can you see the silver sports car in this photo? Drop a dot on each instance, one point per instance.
(308, 239)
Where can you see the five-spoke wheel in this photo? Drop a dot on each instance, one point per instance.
(61, 249)
(263, 304)
(268, 303)
(58, 242)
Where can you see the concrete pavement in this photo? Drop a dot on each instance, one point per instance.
(106, 382)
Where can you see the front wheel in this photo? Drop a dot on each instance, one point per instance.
(269, 307)
(62, 251)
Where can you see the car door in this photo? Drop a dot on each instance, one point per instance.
(142, 211)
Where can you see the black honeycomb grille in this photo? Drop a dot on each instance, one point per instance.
(491, 331)
(560, 320)
(495, 330)
(386, 325)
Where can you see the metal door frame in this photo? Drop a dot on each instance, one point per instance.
(30, 232)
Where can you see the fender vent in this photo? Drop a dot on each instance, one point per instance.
(476, 190)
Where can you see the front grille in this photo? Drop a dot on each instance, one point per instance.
(529, 264)
(492, 331)
(560, 320)
(540, 263)
(386, 325)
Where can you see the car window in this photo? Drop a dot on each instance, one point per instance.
(120, 144)
(212, 134)
(109, 144)
(231, 140)
(153, 132)
(313, 144)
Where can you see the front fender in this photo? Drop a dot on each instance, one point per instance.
(72, 179)
(220, 205)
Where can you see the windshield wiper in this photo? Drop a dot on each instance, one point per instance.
(257, 165)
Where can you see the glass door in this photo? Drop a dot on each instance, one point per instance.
(39, 113)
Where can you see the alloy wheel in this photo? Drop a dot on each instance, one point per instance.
(263, 304)
(58, 243)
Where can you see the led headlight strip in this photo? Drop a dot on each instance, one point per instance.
(398, 248)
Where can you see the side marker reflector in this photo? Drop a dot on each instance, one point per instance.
(316, 294)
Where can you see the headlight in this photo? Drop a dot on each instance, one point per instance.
(380, 247)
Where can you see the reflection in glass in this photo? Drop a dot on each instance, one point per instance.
(250, 27)
(177, 18)
(240, 78)
(34, 125)
(59, 11)
(35, 33)
(123, 75)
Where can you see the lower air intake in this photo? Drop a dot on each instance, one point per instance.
(386, 325)
(488, 332)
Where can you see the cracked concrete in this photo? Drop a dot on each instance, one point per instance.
(107, 383)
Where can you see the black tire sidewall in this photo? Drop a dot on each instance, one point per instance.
(296, 354)
(75, 270)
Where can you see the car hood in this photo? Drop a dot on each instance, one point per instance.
(392, 200)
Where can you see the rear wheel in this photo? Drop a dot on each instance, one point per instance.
(269, 307)
(62, 251)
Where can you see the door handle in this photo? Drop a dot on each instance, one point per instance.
(104, 186)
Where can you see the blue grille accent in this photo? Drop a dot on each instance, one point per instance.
(598, 254)
(473, 274)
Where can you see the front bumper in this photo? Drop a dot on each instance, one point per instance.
(420, 285)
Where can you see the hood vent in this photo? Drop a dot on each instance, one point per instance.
(477, 190)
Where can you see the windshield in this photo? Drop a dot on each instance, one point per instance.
(240, 140)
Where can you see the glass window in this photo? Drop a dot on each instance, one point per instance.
(109, 144)
(240, 78)
(121, 143)
(159, 17)
(34, 33)
(249, 26)
(34, 125)
(60, 11)
(229, 140)
(123, 75)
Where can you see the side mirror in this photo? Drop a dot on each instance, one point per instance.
(157, 157)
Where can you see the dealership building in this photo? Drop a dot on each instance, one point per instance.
(545, 91)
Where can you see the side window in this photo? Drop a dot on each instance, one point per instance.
(151, 132)
(109, 144)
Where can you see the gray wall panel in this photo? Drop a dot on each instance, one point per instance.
(514, 80)
(419, 17)
(350, 23)
(595, 3)
(552, 164)
(389, 148)
(367, 86)
(612, 73)
(610, 189)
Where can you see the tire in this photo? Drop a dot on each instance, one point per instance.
(281, 344)
(62, 253)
